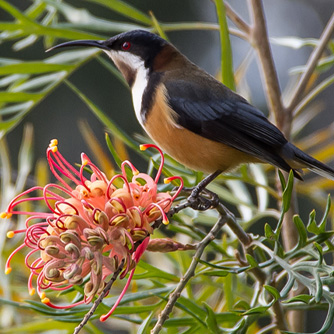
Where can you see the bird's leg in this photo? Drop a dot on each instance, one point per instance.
(200, 203)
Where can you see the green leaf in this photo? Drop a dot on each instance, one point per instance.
(287, 193)
(318, 286)
(323, 65)
(312, 225)
(38, 327)
(288, 286)
(269, 233)
(192, 308)
(114, 129)
(13, 11)
(322, 224)
(226, 51)
(134, 309)
(294, 42)
(300, 298)
(232, 270)
(302, 233)
(211, 320)
(241, 305)
(152, 271)
(34, 67)
(273, 291)
(19, 97)
(158, 27)
(112, 150)
(5, 126)
(144, 294)
(250, 259)
(320, 251)
(311, 96)
(217, 273)
(183, 304)
(256, 310)
(282, 179)
(125, 9)
(107, 64)
(143, 328)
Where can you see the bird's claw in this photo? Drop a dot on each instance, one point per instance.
(204, 200)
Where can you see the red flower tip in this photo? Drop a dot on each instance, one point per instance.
(84, 159)
(172, 178)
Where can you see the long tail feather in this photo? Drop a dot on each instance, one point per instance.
(313, 164)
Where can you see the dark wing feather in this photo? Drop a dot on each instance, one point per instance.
(223, 116)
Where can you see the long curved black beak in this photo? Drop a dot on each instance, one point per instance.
(87, 43)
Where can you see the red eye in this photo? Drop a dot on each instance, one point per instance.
(126, 46)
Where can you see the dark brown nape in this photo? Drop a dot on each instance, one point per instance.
(162, 61)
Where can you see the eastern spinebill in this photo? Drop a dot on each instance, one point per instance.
(192, 116)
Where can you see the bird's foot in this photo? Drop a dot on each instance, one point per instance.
(204, 200)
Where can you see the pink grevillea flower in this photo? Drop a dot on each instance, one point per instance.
(92, 225)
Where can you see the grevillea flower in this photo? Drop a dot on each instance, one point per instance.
(91, 227)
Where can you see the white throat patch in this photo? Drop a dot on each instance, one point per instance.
(141, 78)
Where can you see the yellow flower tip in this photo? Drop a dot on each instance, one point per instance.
(45, 300)
(43, 295)
(32, 291)
(165, 221)
(8, 270)
(142, 147)
(135, 172)
(10, 234)
(53, 145)
(167, 180)
(5, 215)
(54, 142)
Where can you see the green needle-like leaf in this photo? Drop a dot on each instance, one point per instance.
(114, 129)
(302, 233)
(287, 193)
(227, 72)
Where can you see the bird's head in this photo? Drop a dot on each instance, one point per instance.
(132, 51)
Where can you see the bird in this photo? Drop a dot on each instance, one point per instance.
(191, 115)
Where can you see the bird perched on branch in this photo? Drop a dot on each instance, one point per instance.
(191, 115)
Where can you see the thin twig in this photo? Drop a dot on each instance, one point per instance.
(296, 317)
(311, 65)
(260, 41)
(236, 19)
(312, 94)
(243, 236)
(189, 273)
(283, 118)
(98, 301)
